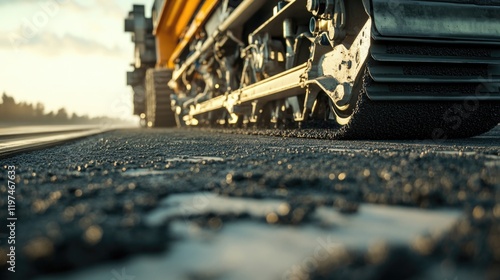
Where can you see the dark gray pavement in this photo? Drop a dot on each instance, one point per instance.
(199, 204)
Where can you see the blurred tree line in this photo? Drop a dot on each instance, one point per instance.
(27, 113)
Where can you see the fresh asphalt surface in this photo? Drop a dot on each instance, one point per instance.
(85, 204)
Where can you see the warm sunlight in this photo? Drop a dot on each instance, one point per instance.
(71, 54)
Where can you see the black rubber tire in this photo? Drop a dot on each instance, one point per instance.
(418, 120)
(158, 106)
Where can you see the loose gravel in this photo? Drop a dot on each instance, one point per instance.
(85, 203)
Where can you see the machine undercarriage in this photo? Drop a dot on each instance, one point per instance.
(366, 68)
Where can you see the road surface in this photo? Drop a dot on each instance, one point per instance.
(200, 204)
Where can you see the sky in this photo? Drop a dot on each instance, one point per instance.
(68, 53)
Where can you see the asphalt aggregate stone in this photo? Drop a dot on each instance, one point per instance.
(84, 203)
